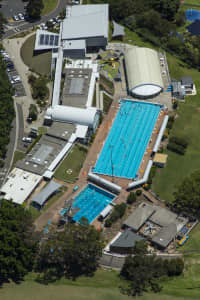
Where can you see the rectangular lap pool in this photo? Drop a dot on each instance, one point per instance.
(91, 201)
(127, 140)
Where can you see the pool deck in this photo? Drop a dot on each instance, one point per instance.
(102, 132)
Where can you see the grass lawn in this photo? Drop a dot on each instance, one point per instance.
(49, 6)
(187, 124)
(104, 285)
(73, 161)
(18, 155)
(40, 63)
(112, 71)
(191, 4)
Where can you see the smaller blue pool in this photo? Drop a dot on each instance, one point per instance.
(192, 15)
(91, 201)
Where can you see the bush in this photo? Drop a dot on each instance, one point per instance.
(170, 122)
(174, 267)
(176, 148)
(33, 112)
(108, 223)
(138, 192)
(131, 198)
(175, 105)
(118, 212)
(182, 141)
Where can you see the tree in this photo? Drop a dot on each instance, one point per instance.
(18, 243)
(131, 198)
(187, 195)
(34, 8)
(33, 112)
(73, 252)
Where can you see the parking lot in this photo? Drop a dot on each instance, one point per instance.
(9, 8)
(13, 75)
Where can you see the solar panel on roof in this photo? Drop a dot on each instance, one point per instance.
(56, 41)
(51, 40)
(46, 39)
(41, 39)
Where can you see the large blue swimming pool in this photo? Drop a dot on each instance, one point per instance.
(91, 201)
(127, 140)
(192, 15)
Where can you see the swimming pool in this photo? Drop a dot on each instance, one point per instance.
(192, 15)
(127, 140)
(91, 201)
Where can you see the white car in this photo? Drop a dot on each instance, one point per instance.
(16, 79)
(21, 16)
(15, 18)
(27, 139)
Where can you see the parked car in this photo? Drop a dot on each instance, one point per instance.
(21, 16)
(10, 69)
(15, 18)
(27, 139)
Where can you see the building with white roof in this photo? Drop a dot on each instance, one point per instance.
(19, 185)
(143, 72)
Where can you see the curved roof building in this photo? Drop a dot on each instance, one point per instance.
(88, 117)
(143, 72)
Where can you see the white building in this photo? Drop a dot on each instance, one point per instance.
(19, 185)
(143, 72)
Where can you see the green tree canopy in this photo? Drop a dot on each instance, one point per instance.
(187, 195)
(72, 252)
(18, 243)
(34, 8)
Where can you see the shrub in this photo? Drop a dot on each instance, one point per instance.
(131, 198)
(175, 105)
(118, 212)
(176, 148)
(170, 122)
(182, 141)
(108, 223)
(138, 192)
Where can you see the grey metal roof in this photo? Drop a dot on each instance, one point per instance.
(165, 235)
(139, 216)
(86, 21)
(61, 130)
(127, 240)
(74, 44)
(118, 30)
(163, 216)
(176, 86)
(46, 192)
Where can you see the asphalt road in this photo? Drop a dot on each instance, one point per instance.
(12, 7)
(20, 144)
(26, 25)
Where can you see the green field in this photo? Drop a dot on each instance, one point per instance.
(49, 6)
(18, 155)
(73, 162)
(105, 285)
(40, 63)
(187, 124)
